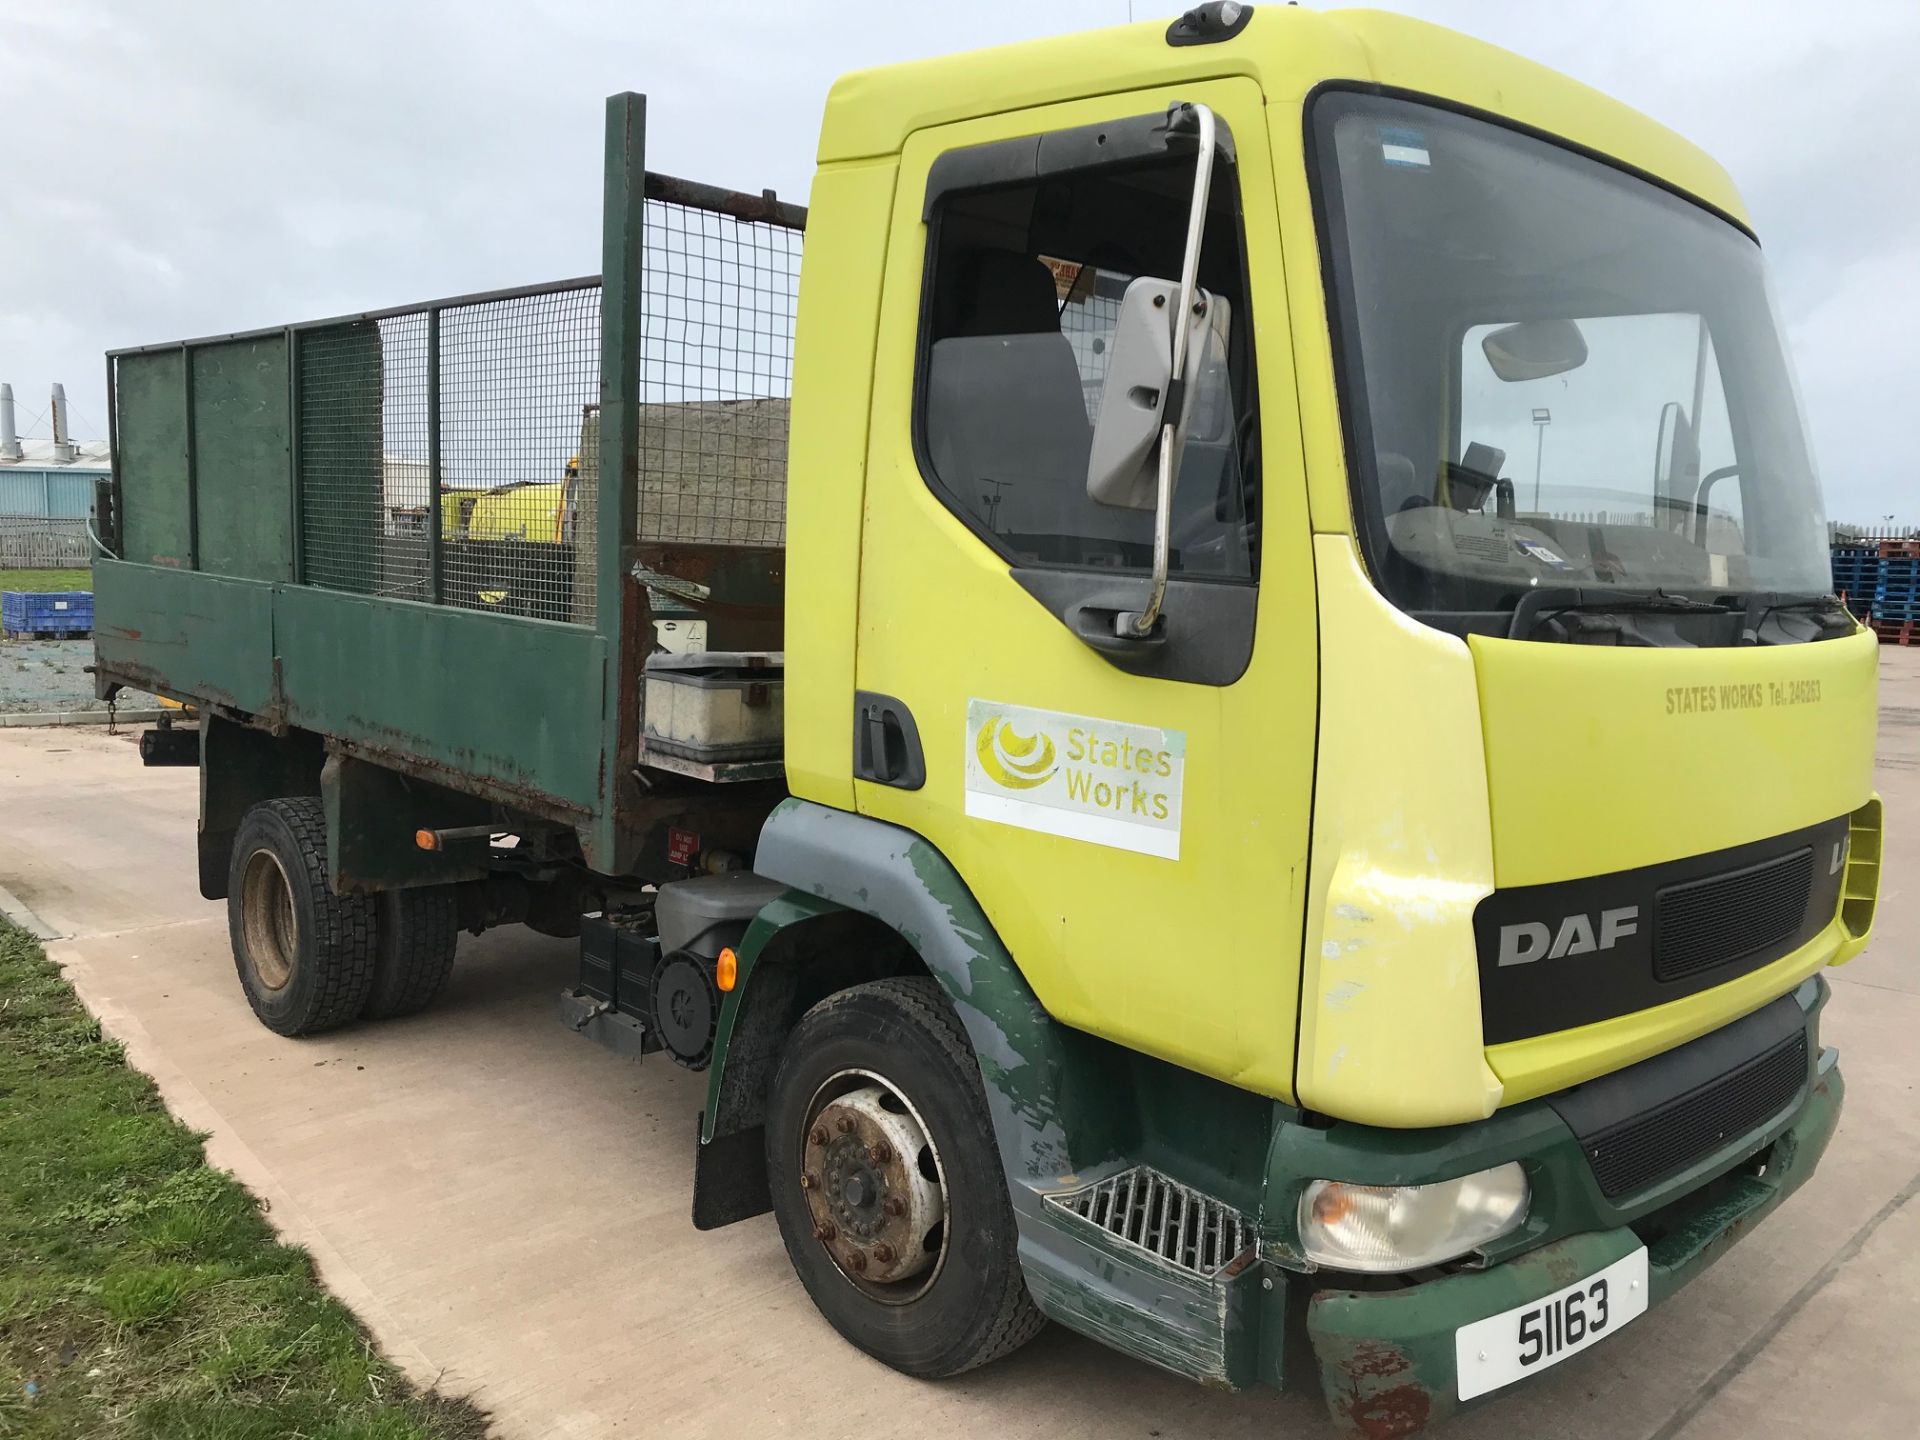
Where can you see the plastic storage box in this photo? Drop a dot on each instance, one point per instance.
(58, 612)
(716, 705)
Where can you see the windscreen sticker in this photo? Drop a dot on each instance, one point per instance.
(1404, 147)
(1100, 781)
(1541, 553)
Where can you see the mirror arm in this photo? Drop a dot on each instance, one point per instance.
(1149, 616)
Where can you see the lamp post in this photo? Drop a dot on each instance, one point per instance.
(1541, 419)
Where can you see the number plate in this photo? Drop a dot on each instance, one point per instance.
(1529, 1338)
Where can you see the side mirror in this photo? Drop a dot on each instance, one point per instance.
(1535, 349)
(1123, 466)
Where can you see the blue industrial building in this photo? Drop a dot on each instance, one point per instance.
(46, 490)
(41, 488)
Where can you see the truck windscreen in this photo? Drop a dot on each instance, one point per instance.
(1554, 373)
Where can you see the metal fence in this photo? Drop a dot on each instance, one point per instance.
(34, 542)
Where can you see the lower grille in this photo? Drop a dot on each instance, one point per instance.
(1168, 1220)
(1662, 1141)
(1701, 924)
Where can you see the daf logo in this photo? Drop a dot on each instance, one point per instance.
(1577, 935)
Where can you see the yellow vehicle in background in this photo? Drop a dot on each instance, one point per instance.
(540, 511)
(502, 542)
(1313, 774)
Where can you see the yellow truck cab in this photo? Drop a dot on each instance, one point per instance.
(1452, 799)
(1313, 772)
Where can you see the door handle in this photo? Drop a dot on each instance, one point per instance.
(1109, 629)
(886, 742)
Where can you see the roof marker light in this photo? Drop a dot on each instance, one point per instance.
(1210, 23)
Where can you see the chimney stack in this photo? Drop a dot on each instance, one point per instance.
(65, 451)
(9, 437)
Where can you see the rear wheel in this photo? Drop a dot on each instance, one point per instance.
(305, 955)
(887, 1186)
(416, 931)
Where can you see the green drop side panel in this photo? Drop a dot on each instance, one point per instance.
(156, 526)
(194, 636)
(241, 458)
(508, 700)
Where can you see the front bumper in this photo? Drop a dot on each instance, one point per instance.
(1384, 1347)
(1386, 1358)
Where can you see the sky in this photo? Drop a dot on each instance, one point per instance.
(173, 168)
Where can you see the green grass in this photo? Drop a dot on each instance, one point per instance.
(141, 1293)
(42, 581)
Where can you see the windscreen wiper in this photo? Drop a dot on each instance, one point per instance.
(1551, 600)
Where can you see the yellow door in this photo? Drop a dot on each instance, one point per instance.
(1132, 816)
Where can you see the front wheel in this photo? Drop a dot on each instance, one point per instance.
(887, 1186)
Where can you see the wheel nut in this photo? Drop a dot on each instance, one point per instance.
(824, 1230)
(845, 1125)
(895, 1206)
(807, 1180)
(880, 1154)
(817, 1135)
(884, 1253)
(856, 1262)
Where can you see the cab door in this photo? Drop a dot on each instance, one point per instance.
(1132, 816)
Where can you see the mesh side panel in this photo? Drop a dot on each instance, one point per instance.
(1178, 1224)
(1701, 924)
(518, 378)
(518, 429)
(406, 489)
(1649, 1147)
(716, 371)
(363, 471)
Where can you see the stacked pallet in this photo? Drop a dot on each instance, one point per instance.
(1896, 598)
(54, 615)
(1856, 575)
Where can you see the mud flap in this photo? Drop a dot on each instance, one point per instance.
(730, 1177)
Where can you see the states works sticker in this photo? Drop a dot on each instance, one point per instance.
(1100, 781)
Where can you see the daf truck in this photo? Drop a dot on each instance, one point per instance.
(1259, 764)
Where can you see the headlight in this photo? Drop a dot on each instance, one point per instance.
(1383, 1228)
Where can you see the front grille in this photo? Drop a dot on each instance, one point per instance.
(1168, 1220)
(1702, 924)
(1659, 1142)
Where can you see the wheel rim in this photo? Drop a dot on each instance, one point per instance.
(874, 1187)
(272, 930)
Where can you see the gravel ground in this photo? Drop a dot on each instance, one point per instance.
(51, 675)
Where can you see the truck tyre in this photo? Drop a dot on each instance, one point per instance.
(415, 932)
(305, 955)
(887, 1184)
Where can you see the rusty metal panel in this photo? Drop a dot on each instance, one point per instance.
(510, 702)
(156, 525)
(206, 637)
(240, 446)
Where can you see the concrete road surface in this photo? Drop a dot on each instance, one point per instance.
(506, 1205)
